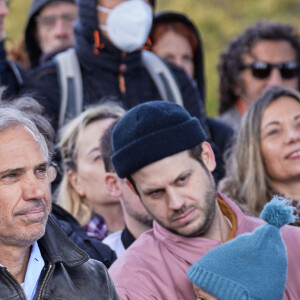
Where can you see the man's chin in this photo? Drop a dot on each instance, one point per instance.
(37, 233)
(26, 239)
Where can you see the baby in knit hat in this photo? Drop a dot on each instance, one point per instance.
(251, 266)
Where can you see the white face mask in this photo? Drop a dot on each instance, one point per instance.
(128, 24)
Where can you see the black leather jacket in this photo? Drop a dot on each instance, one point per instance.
(68, 273)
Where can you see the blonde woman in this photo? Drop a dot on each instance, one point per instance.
(266, 157)
(82, 191)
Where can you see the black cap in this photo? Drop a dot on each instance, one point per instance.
(150, 132)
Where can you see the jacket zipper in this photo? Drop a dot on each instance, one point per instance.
(44, 281)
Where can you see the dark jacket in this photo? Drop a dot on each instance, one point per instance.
(11, 74)
(220, 133)
(101, 72)
(77, 234)
(68, 272)
(32, 46)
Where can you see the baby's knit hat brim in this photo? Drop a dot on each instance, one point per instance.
(221, 287)
(251, 266)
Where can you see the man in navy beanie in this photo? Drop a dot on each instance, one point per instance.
(163, 153)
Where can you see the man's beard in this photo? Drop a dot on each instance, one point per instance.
(209, 211)
(144, 218)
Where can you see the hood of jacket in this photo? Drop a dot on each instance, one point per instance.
(32, 46)
(170, 16)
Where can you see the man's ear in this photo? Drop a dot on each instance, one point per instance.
(113, 184)
(75, 183)
(208, 156)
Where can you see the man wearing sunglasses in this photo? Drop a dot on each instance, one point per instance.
(265, 54)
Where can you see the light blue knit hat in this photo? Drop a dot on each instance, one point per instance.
(251, 266)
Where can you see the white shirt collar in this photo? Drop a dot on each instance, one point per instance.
(35, 266)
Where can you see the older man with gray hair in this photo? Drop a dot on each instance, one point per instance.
(37, 260)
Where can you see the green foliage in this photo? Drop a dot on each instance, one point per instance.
(15, 22)
(218, 21)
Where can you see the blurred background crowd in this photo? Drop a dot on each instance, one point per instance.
(217, 20)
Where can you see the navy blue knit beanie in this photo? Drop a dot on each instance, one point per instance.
(251, 266)
(150, 132)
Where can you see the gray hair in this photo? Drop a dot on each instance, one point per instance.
(12, 117)
(34, 111)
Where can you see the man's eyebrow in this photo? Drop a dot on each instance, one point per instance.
(148, 191)
(182, 174)
(12, 171)
(43, 164)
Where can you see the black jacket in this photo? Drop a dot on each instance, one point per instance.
(68, 273)
(101, 72)
(77, 234)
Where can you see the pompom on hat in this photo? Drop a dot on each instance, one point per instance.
(150, 132)
(252, 266)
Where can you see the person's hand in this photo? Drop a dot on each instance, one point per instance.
(202, 295)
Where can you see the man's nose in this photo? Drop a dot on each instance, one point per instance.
(33, 188)
(176, 201)
(60, 27)
(275, 78)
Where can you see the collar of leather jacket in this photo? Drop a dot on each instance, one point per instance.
(57, 247)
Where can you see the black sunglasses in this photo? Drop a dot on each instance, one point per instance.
(262, 70)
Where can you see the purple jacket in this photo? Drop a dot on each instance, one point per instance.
(155, 266)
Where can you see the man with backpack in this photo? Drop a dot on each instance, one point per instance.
(108, 41)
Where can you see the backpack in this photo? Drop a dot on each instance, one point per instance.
(70, 82)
